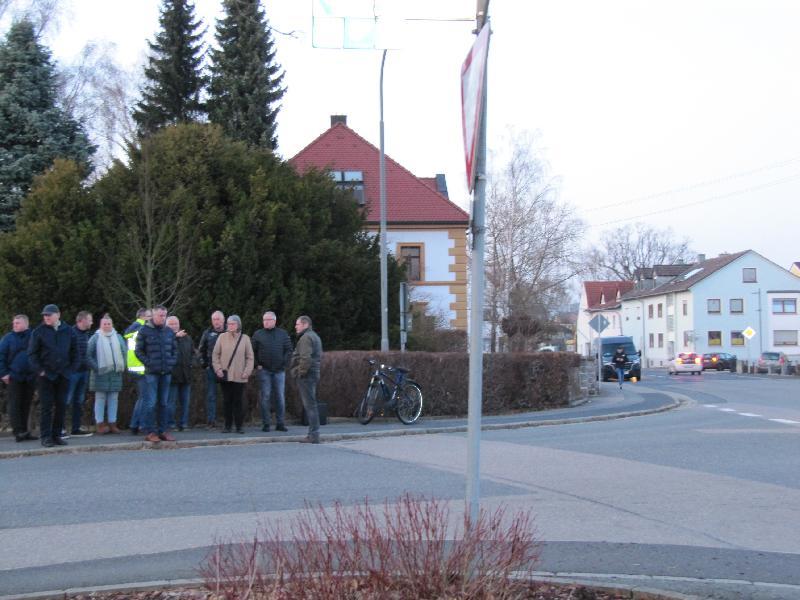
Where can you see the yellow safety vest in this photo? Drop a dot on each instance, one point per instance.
(135, 366)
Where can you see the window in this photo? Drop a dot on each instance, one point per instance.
(749, 275)
(714, 306)
(350, 180)
(660, 310)
(784, 306)
(686, 335)
(649, 311)
(650, 340)
(737, 339)
(411, 256)
(715, 338)
(660, 340)
(685, 308)
(736, 305)
(784, 337)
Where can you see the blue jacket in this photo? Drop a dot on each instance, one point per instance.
(157, 349)
(82, 337)
(54, 351)
(14, 356)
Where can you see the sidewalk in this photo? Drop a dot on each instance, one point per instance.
(613, 403)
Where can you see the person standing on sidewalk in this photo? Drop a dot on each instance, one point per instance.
(136, 368)
(16, 372)
(158, 351)
(180, 387)
(305, 369)
(272, 349)
(105, 355)
(76, 395)
(620, 358)
(233, 365)
(53, 355)
(206, 352)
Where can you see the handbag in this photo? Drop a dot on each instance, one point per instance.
(225, 371)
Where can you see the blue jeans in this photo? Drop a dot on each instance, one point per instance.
(179, 391)
(156, 404)
(620, 374)
(272, 394)
(137, 420)
(76, 395)
(211, 395)
(307, 387)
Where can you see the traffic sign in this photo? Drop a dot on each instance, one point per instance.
(749, 333)
(598, 323)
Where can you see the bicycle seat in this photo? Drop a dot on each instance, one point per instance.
(401, 370)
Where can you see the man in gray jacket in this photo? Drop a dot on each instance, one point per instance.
(272, 349)
(305, 369)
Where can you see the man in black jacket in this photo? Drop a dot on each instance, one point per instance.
(205, 351)
(79, 379)
(272, 349)
(17, 374)
(158, 352)
(180, 387)
(53, 355)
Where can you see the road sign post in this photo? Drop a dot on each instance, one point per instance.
(599, 323)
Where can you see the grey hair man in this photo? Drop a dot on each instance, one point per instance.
(206, 350)
(272, 348)
(305, 368)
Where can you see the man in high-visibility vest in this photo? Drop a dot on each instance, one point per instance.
(135, 366)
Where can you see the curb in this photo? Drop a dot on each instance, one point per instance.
(677, 400)
(629, 592)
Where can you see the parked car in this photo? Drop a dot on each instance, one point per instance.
(719, 361)
(686, 362)
(771, 361)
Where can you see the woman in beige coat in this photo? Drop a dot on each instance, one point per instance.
(233, 363)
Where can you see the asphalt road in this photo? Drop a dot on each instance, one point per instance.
(703, 499)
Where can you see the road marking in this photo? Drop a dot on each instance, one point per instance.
(749, 415)
(786, 421)
(728, 409)
(710, 405)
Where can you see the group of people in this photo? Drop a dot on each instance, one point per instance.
(61, 362)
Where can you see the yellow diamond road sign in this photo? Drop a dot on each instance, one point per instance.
(749, 332)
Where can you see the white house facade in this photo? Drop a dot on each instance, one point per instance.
(599, 298)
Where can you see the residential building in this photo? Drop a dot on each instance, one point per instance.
(710, 305)
(425, 229)
(599, 298)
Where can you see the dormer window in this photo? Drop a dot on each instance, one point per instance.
(352, 181)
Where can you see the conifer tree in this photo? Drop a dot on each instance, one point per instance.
(34, 131)
(245, 78)
(174, 74)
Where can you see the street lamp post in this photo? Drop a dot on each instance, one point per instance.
(384, 245)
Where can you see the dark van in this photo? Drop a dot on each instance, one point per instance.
(609, 345)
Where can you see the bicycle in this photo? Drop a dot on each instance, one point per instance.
(405, 396)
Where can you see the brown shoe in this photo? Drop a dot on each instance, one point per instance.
(102, 428)
(309, 440)
(166, 437)
(152, 438)
(112, 428)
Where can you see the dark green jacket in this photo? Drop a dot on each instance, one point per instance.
(307, 355)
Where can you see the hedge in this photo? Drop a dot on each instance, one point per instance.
(511, 382)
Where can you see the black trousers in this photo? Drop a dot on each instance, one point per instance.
(53, 401)
(20, 396)
(232, 393)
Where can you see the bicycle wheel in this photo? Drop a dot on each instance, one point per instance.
(366, 408)
(409, 403)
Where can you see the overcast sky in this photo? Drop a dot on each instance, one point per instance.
(683, 114)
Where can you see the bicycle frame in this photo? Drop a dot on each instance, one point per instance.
(383, 378)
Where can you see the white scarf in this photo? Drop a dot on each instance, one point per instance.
(109, 353)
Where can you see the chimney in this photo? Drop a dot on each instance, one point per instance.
(338, 119)
(441, 184)
(701, 258)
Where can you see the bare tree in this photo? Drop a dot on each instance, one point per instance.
(98, 92)
(531, 238)
(44, 14)
(623, 250)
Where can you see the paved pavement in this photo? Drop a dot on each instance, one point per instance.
(612, 403)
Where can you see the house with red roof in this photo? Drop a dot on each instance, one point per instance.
(425, 229)
(602, 298)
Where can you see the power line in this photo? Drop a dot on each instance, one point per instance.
(695, 186)
(748, 190)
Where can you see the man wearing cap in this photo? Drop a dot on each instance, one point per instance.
(53, 355)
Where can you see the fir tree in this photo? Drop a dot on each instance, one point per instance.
(175, 79)
(34, 131)
(245, 79)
